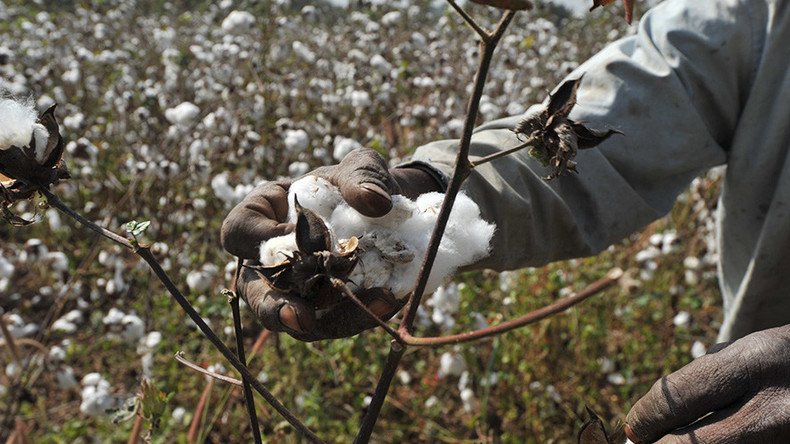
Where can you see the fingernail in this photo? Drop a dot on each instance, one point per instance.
(376, 202)
(289, 318)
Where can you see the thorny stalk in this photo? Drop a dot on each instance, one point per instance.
(145, 254)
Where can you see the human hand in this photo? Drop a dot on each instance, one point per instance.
(743, 387)
(365, 184)
(296, 315)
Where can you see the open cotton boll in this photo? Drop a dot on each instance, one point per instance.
(19, 125)
(390, 249)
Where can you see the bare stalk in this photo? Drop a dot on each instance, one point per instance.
(469, 20)
(542, 313)
(383, 386)
(160, 273)
(179, 356)
(249, 402)
(9, 339)
(461, 172)
(502, 153)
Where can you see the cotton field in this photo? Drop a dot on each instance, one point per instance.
(173, 111)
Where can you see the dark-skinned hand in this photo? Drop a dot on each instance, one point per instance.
(738, 393)
(366, 185)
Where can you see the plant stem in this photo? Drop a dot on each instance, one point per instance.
(462, 170)
(383, 386)
(469, 20)
(502, 153)
(10, 341)
(249, 402)
(179, 356)
(536, 315)
(160, 273)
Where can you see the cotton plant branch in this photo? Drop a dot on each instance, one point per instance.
(612, 277)
(462, 169)
(145, 253)
(249, 401)
(182, 359)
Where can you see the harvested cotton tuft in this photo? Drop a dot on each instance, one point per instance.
(390, 247)
(19, 125)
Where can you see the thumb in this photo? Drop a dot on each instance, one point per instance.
(365, 182)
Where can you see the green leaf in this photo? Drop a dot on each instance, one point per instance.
(141, 227)
(130, 226)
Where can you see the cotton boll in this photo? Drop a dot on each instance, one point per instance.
(133, 328)
(343, 146)
(113, 317)
(182, 115)
(314, 193)
(66, 378)
(277, 249)
(151, 340)
(56, 354)
(19, 126)
(238, 21)
(451, 364)
(698, 349)
(6, 268)
(468, 399)
(296, 141)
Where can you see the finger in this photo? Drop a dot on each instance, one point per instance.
(260, 216)
(715, 348)
(347, 319)
(709, 383)
(762, 418)
(277, 311)
(365, 182)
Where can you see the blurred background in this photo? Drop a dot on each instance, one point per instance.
(173, 111)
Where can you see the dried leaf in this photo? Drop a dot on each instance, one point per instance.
(13, 219)
(515, 5)
(593, 431)
(309, 272)
(555, 138)
(312, 235)
(55, 144)
(562, 102)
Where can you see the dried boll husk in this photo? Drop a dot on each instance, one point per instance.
(310, 270)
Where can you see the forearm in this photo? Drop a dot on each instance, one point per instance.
(675, 90)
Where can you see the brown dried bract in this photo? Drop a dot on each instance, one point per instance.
(628, 5)
(555, 138)
(28, 174)
(309, 272)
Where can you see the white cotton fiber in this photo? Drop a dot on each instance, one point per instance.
(277, 249)
(391, 248)
(18, 125)
(314, 193)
